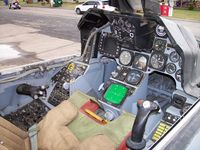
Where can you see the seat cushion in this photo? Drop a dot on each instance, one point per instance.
(3, 147)
(62, 114)
(53, 133)
(57, 138)
(97, 142)
(12, 137)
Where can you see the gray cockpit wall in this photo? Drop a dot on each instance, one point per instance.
(183, 40)
(186, 44)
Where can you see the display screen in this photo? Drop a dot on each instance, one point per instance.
(115, 93)
(110, 46)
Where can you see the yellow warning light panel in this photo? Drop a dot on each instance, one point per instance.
(160, 131)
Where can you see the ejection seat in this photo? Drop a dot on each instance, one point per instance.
(66, 128)
(53, 133)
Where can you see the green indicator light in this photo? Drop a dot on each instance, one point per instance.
(115, 93)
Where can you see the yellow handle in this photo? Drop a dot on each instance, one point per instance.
(96, 116)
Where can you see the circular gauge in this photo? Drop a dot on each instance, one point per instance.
(131, 34)
(125, 58)
(174, 56)
(140, 62)
(157, 61)
(180, 62)
(178, 75)
(134, 77)
(171, 68)
(160, 31)
(160, 44)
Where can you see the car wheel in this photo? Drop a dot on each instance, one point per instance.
(78, 11)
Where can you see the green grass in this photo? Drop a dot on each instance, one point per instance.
(39, 4)
(24, 4)
(65, 5)
(1, 3)
(186, 14)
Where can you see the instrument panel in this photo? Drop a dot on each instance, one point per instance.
(121, 32)
(127, 75)
(167, 61)
(162, 57)
(123, 29)
(70, 72)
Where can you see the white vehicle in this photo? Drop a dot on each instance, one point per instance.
(101, 4)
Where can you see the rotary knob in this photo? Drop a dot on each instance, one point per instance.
(114, 74)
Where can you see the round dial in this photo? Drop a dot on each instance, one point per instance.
(160, 31)
(174, 57)
(125, 57)
(157, 61)
(178, 75)
(140, 62)
(171, 68)
(134, 77)
(160, 44)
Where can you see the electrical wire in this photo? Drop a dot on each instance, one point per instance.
(92, 35)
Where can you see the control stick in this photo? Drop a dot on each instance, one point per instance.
(145, 108)
(34, 91)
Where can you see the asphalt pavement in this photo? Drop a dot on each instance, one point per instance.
(59, 23)
(35, 34)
